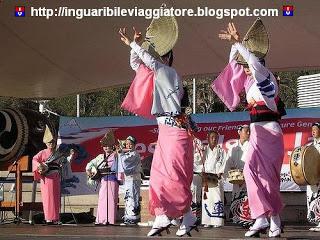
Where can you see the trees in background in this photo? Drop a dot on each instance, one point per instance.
(107, 102)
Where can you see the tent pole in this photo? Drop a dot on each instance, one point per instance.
(194, 95)
(78, 105)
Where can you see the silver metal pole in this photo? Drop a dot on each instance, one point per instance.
(78, 105)
(33, 200)
(194, 95)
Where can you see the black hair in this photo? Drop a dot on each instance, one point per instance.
(212, 131)
(243, 126)
(169, 55)
(317, 124)
(262, 61)
(185, 99)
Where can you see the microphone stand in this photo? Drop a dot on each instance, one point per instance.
(115, 161)
(108, 180)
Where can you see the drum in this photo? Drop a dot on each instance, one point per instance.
(305, 165)
(236, 176)
(212, 179)
(21, 133)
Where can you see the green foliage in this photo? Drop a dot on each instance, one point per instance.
(108, 102)
(102, 103)
(66, 106)
(17, 103)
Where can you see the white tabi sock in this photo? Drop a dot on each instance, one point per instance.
(275, 222)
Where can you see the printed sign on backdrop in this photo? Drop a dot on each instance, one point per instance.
(87, 132)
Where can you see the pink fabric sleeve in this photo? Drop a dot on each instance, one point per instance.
(139, 98)
(35, 162)
(229, 84)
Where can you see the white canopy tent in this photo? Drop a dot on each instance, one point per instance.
(46, 58)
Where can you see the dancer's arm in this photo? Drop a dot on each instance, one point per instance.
(264, 78)
(233, 36)
(255, 66)
(233, 53)
(135, 61)
(144, 56)
(230, 35)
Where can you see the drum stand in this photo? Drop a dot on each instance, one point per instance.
(20, 165)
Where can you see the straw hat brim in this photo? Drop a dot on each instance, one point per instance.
(256, 41)
(161, 36)
(108, 139)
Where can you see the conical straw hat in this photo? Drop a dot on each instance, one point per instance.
(161, 36)
(256, 41)
(108, 139)
(48, 136)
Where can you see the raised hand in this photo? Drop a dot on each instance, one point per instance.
(233, 32)
(137, 37)
(224, 35)
(124, 37)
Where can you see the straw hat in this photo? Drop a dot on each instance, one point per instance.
(256, 41)
(48, 136)
(161, 36)
(108, 139)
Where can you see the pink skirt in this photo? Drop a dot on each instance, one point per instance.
(262, 171)
(108, 199)
(50, 194)
(171, 173)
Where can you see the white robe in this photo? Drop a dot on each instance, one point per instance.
(239, 202)
(131, 165)
(213, 206)
(168, 88)
(196, 186)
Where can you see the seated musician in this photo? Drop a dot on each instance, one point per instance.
(49, 177)
(131, 163)
(313, 191)
(213, 206)
(106, 165)
(239, 209)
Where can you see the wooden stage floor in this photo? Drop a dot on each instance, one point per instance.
(91, 232)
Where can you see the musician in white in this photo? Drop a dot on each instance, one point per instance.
(313, 191)
(196, 185)
(213, 206)
(235, 160)
(131, 163)
(49, 177)
(106, 163)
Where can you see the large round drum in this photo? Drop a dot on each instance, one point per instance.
(21, 133)
(305, 165)
(236, 176)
